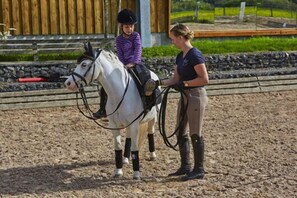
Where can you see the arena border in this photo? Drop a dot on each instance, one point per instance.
(62, 97)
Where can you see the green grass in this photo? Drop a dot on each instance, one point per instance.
(256, 44)
(41, 57)
(276, 13)
(207, 46)
(204, 15)
(234, 11)
(16, 57)
(59, 56)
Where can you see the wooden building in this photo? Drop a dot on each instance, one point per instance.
(53, 19)
(33, 18)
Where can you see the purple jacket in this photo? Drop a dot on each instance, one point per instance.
(129, 49)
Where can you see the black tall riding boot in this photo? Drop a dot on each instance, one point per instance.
(184, 151)
(198, 148)
(144, 75)
(101, 113)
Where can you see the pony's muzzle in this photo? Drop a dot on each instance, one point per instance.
(70, 85)
(67, 83)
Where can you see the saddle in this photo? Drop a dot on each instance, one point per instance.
(141, 74)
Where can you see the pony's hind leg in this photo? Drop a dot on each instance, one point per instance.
(151, 140)
(118, 153)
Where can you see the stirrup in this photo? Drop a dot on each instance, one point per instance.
(101, 113)
(149, 87)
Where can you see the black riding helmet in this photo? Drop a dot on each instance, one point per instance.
(127, 17)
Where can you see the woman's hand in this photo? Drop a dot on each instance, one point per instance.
(180, 86)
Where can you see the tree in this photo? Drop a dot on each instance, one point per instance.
(119, 2)
(212, 2)
(106, 19)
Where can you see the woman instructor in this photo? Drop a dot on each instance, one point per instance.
(190, 76)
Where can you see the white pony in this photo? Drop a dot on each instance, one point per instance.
(124, 103)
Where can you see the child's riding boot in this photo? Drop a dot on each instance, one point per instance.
(101, 113)
(149, 87)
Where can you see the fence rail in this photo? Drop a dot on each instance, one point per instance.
(39, 46)
(62, 97)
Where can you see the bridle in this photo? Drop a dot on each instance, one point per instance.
(84, 98)
(162, 120)
(82, 78)
(162, 113)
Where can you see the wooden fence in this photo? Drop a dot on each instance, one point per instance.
(62, 97)
(71, 17)
(35, 48)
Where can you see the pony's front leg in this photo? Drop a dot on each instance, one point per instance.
(134, 150)
(127, 150)
(151, 139)
(118, 153)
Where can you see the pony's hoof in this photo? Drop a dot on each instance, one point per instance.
(125, 160)
(118, 173)
(117, 176)
(136, 175)
(153, 156)
(136, 178)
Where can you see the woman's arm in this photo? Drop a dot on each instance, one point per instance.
(202, 76)
(171, 81)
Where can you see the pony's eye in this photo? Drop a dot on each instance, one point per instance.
(84, 65)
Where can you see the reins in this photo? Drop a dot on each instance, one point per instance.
(87, 107)
(162, 120)
(85, 101)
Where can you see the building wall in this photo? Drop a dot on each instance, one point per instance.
(72, 17)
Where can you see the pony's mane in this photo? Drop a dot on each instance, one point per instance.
(111, 57)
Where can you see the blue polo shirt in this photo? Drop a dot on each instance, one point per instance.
(185, 66)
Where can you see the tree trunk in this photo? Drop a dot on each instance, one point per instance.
(119, 3)
(106, 18)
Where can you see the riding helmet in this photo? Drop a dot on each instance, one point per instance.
(127, 17)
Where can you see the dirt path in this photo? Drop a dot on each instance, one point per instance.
(251, 147)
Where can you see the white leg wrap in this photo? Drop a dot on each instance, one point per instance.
(153, 156)
(136, 175)
(125, 160)
(118, 173)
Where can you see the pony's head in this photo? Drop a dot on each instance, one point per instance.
(85, 71)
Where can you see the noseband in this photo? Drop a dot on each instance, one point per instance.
(84, 98)
(82, 78)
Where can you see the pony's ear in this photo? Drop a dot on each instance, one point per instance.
(90, 49)
(86, 46)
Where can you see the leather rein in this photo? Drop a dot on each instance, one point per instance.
(84, 97)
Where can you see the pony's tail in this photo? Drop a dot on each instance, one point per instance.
(142, 134)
